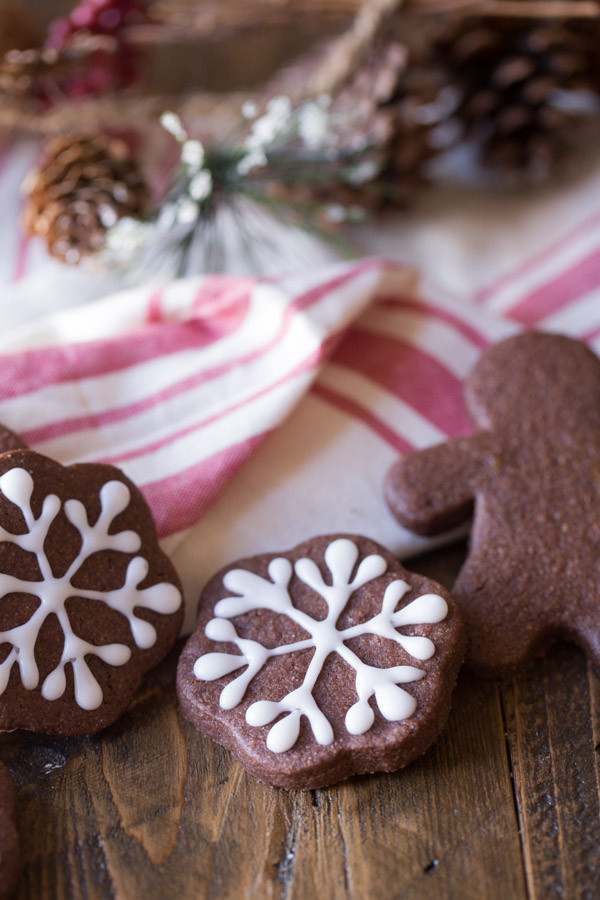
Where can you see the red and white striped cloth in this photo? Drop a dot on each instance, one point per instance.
(255, 414)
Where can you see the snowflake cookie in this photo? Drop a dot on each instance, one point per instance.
(9, 841)
(88, 601)
(319, 663)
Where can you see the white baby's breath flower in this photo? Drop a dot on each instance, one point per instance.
(187, 211)
(255, 159)
(313, 124)
(249, 109)
(268, 127)
(173, 124)
(126, 229)
(264, 132)
(201, 185)
(108, 215)
(336, 213)
(279, 107)
(124, 239)
(364, 172)
(192, 154)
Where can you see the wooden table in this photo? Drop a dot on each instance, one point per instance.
(504, 805)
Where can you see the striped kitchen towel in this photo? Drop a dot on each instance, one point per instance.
(254, 414)
(341, 369)
(181, 385)
(177, 385)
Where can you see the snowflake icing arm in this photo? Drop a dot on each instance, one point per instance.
(395, 704)
(340, 557)
(17, 485)
(211, 666)
(114, 499)
(257, 592)
(162, 598)
(427, 609)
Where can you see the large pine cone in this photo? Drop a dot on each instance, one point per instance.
(84, 185)
(381, 106)
(383, 112)
(513, 80)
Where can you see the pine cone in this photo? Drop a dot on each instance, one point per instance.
(45, 74)
(84, 185)
(418, 111)
(509, 78)
(385, 103)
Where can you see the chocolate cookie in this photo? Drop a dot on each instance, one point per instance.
(9, 841)
(297, 659)
(89, 603)
(532, 474)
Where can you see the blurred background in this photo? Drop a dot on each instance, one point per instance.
(158, 138)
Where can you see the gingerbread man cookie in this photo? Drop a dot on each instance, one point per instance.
(532, 475)
(88, 601)
(321, 662)
(9, 841)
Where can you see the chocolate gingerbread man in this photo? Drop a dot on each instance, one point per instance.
(531, 474)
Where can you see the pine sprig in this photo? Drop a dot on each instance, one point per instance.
(253, 175)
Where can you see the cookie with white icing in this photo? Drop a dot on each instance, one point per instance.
(88, 601)
(322, 662)
(9, 841)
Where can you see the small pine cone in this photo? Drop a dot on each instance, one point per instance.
(84, 185)
(45, 73)
(511, 80)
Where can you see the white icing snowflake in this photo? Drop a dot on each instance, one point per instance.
(255, 592)
(17, 486)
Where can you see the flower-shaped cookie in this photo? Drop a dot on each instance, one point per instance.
(322, 662)
(88, 601)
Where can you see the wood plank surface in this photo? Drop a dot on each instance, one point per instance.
(552, 715)
(505, 805)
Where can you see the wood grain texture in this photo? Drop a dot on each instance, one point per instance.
(552, 716)
(150, 809)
